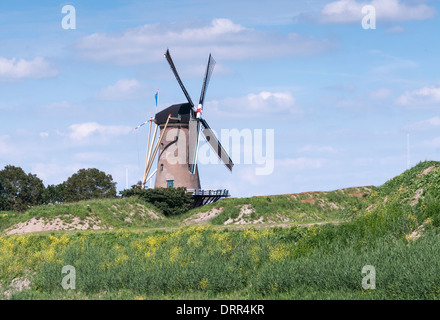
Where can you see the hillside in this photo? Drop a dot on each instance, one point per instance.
(283, 210)
(234, 248)
(105, 214)
(262, 211)
(132, 213)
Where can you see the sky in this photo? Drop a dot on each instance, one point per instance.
(326, 94)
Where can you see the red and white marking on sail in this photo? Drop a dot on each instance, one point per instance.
(199, 111)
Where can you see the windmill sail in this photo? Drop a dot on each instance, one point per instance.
(193, 144)
(216, 145)
(209, 69)
(176, 74)
(196, 124)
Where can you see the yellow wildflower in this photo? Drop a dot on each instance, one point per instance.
(121, 259)
(195, 240)
(223, 241)
(278, 252)
(203, 283)
(174, 254)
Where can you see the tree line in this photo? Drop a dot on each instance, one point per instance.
(20, 191)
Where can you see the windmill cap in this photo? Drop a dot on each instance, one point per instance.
(182, 109)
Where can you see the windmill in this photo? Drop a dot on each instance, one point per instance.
(181, 128)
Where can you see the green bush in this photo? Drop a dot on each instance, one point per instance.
(171, 201)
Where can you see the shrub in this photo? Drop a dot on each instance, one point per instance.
(171, 201)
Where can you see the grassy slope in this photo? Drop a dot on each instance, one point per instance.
(108, 213)
(308, 207)
(303, 208)
(393, 227)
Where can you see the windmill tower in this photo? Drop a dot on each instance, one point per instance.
(181, 127)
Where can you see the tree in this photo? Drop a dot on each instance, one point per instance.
(89, 184)
(22, 190)
(4, 205)
(54, 193)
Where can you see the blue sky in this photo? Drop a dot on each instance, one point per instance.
(340, 99)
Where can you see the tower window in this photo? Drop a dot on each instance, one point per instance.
(170, 183)
(161, 167)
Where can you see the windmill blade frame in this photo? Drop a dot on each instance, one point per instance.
(211, 138)
(194, 127)
(209, 69)
(176, 74)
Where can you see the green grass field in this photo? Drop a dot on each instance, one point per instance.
(304, 246)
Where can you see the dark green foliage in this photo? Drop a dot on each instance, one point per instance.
(54, 194)
(429, 207)
(89, 184)
(171, 201)
(20, 189)
(4, 205)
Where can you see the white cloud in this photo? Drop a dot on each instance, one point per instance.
(434, 143)
(420, 97)
(257, 104)
(82, 131)
(342, 11)
(224, 38)
(380, 94)
(427, 124)
(217, 27)
(350, 11)
(124, 89)
(266, 101)
(13, 69)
